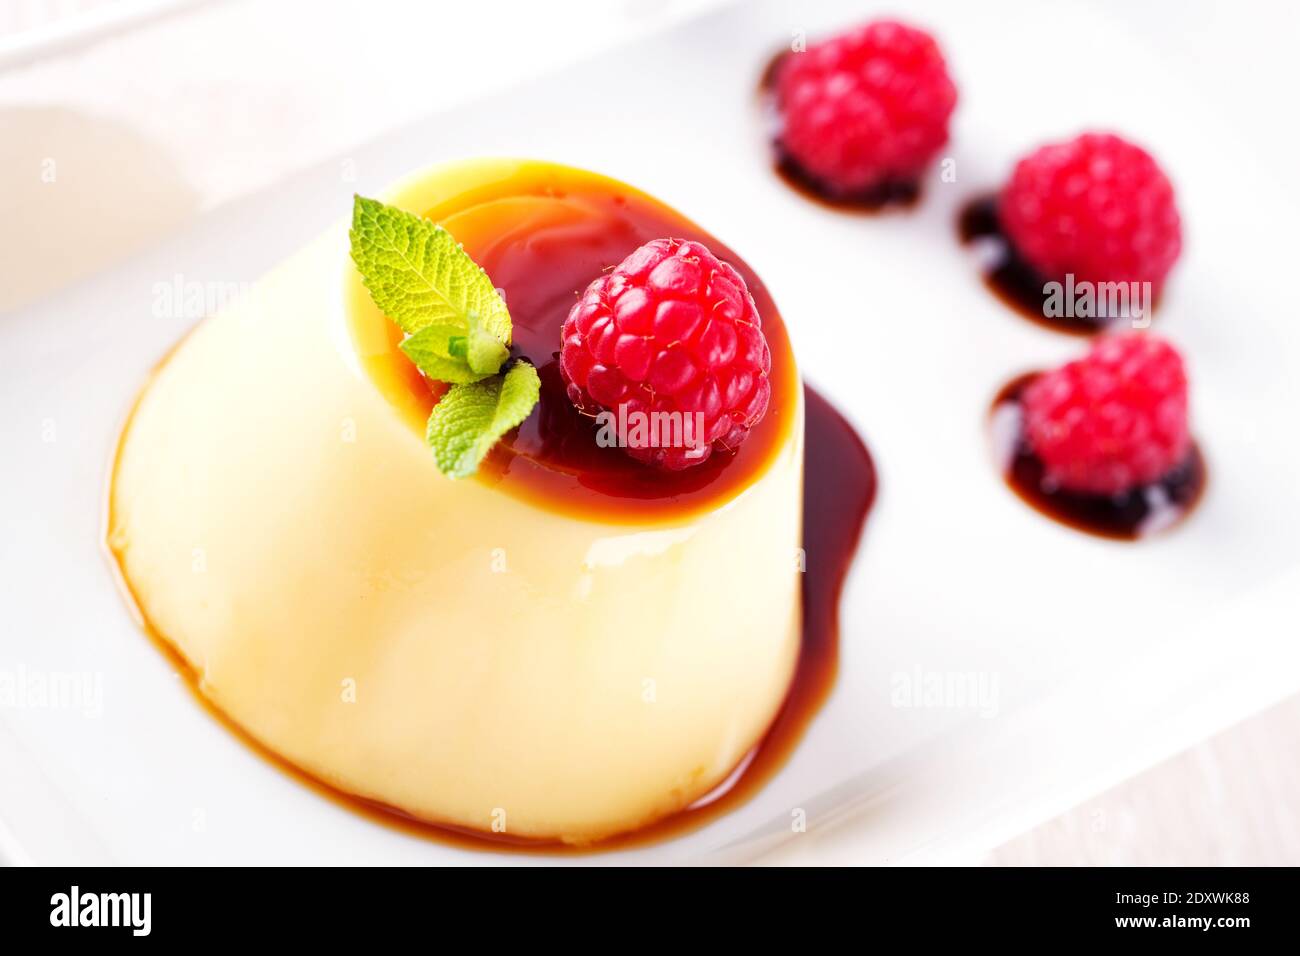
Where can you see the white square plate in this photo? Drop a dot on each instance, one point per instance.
(1096, 657)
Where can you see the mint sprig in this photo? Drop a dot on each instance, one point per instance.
(470, 419)
(458, 329)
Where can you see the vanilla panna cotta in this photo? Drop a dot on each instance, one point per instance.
(565, 646)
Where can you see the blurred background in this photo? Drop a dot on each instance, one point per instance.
(160, 110)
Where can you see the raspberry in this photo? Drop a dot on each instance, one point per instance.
(670, 329)
(1113, 420)
(866, 109)
(1097, 207)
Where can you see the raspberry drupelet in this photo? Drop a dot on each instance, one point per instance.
(671, 329)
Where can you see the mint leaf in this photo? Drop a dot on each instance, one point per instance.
(450, 354)
(471, 418)
(483, 351)
(419, 275)
(439, 351)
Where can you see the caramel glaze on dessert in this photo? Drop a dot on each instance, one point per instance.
(1009, 277)
(542, 255)
(895, 194)
(1125, 517)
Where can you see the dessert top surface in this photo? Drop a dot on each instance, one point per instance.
(542, 233)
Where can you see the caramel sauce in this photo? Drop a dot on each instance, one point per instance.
(1126, 517)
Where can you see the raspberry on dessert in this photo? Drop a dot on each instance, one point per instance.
(1096, 206)
(866, 109)
(671, 329)
(1113, 420)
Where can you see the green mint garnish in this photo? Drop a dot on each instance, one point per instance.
(456, 355)
(470, 419)
(458, 329)
(418, 274)
(482, 349)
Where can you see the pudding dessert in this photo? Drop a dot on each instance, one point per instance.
(1103, 443)
(858, 117)
(528, 633)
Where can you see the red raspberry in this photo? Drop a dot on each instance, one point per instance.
(671, 329)
(1113, 420)
(1097, 207)
(866, 109)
